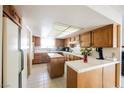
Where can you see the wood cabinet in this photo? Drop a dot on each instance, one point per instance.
(71, 40)
(59, 42)
(107, 36)
(55, 65)
(103, 77)
(89, 79)
(77, 38)
(40, 58)
(69, 57)
(109, 76)
(103, 37)
(67, 41)
(85, 40)
(36, 40)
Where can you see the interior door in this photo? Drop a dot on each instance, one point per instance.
(10, 54)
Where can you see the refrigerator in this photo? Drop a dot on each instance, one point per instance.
(13, 55)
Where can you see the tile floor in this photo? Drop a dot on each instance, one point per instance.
(40, 78)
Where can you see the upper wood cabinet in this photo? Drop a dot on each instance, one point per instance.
(85, 40)
(59, 42)
(36, 40)
(77, 38)
(67, 42)
(105, 36)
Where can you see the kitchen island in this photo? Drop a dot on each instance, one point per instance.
(55, 65)
(94, 74)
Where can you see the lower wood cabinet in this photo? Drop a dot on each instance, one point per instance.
(55, 67)
(109, 76)
(90, 79)
(98, 78)
(69, 57)
(40, 58)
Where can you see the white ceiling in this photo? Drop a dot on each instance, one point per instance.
(41, 18)
(119, 9)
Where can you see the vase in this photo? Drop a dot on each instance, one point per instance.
(85, 59)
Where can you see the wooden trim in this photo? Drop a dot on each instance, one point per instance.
(118, 36)
(10, 12)
(117, 75)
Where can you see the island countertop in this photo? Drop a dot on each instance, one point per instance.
(54, 55)
(79, 66)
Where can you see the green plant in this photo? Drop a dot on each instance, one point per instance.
(86, 51)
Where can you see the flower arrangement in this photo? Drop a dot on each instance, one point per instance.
(86, 51)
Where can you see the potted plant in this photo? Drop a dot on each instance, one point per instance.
(86, 52)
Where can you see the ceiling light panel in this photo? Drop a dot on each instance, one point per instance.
(72, 29)
(60, 26)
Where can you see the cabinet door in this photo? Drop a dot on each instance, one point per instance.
(33, 39)
(59, 42)
(85, 39)
(37, 41)
(77, 38)
(67, 42)
(109, 76)
(103, 37)
(72, 57)
(90, 79)
(68, 58)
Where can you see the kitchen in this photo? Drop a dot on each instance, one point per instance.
(70, 57)
(66, 51)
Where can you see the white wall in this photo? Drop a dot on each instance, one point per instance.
(36, 33)
(0, 46)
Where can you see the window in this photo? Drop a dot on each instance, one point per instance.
(47, 43)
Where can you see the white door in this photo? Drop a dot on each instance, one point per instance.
(10, 54)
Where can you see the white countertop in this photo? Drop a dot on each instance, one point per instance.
(70, 53)
(79, 66)
(74, 54)
(54, 55)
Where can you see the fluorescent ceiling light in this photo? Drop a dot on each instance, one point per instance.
(72, 29)
(61, 30)
(60, 26)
